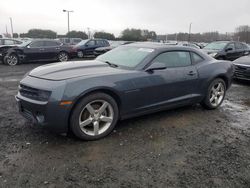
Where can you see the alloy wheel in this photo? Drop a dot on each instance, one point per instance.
(63, 57)
(217, 94)
(96, 117)
(12, 60)
(80, 54)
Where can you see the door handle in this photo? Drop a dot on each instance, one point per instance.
(41, 49)
(191, 73)
(57, 48)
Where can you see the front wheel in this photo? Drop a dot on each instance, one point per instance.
(94, 117)
(80, 54)
(11, 60)
(63, 56)
(215, 94)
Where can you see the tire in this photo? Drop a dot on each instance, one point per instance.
(80, 54)
(96, 122)
(215, 94)
(63, 56)
(11, 60)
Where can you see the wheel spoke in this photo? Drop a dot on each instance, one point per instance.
(216, 101)
(213, 90)
(219, 87)
(86, 122)
(106, 119)
(103, 107)
(212, 98)
(96, 128)
(220, 93)
(90, 109)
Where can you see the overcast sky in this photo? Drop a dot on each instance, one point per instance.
(162, 16)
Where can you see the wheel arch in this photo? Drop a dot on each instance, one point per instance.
(224, 78)
(108, 91)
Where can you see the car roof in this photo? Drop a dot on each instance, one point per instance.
(160, 46)
(34, 40)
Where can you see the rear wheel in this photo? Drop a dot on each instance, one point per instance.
(215, 94)
(94, 117)
(11, 60)
(63, 56)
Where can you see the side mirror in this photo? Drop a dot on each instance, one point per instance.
(86, 45)
(229, 49)
(156, 66)
(28, 46)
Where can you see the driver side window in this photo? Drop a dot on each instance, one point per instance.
(174, 59)
(231, 45)
(91, 43)
(37, 44)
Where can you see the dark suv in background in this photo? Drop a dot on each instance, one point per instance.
(38, 50)
(227, 50)
(87, 47)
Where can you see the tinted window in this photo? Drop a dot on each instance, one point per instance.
(238, 46)
(174, 59)
(1, 42)
(245, 46)
(37, 44)
(91, 43)
(100, 43)
(231, 45)
(76, 41)
(196, 58)
(51, 43)
(9, 42)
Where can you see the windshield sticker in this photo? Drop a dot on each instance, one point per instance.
(146, 50)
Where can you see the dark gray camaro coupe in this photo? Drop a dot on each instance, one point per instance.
(89, 97)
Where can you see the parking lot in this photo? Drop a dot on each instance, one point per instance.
(187, 147)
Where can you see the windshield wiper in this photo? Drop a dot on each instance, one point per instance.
(111, 64)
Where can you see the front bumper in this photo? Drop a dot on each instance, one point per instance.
(242, 72)
(48, 114)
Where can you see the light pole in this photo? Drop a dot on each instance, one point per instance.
(190, 27)
(68, 11)
(11, 25)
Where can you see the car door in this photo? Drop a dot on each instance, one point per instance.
(51, 50)
(231, 53)
(33, 52)
(174, 85)
(239, 48)
(90, 47)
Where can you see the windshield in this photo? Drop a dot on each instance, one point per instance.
(25, 43)
(82, 42)
(126, 56)
(216, 45)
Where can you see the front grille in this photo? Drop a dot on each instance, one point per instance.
(33, 93)
(242, 72)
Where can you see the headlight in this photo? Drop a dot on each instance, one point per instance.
(213, 54)
(43, 95)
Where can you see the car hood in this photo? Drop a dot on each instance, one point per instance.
(245, 60)
(68, 70)
(210, 51)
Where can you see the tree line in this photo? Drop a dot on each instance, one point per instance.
(242, 33)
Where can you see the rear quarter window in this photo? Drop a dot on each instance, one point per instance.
(196, 58)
